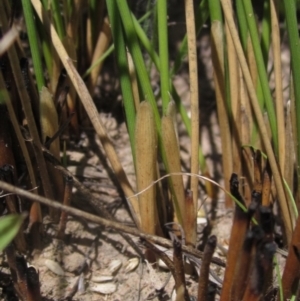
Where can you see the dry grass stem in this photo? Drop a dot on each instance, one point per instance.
(195, 112)
(219, 79)
(171, 147)
(102, 45)
(8, 39)
(278, 83)
(233, 70)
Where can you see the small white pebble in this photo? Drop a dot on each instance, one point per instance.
(102, 278)
(54, 267)
(201, 220)
(81, 286)
(131, 264)
(104, 288)
(114, 266)
(162, 265)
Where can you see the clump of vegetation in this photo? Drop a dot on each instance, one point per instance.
(42, 109)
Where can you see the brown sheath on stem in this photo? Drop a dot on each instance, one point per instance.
(145, 165)
(266, 187)
(190, 219)
(240, 225)
(204, 270)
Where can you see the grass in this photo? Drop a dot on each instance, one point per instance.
(249, 112)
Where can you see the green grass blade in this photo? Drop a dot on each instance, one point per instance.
(9, 228)
(58, 20)
(107, 53)
(291, 197)
(125, 82)
(266, 32)
(33, 41)
(137, 57)
(163, 53)
(261, 71)
(241, 18)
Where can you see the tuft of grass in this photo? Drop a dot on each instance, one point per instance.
(76, 38)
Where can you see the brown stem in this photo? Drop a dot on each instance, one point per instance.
(266, 188)
(190, 218)
(262, 267)
(204, 271)
(66, 202)
(291, 270)
(21, 268)
(179, 270)
(33, 285)
(257, 171)
(244, 265)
